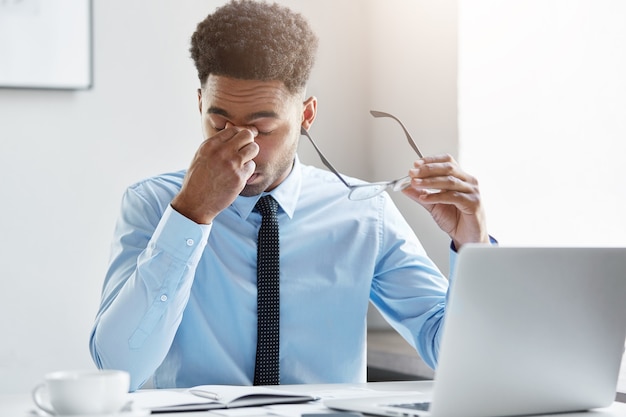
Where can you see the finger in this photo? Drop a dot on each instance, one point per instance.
(239, 147)
(248, 169)
(440, 168)
(227, 152)
(439, 165)
(248, 152)
(235, 133)
(417, 195)
(467, 203)
(444, 183)
(430, 159)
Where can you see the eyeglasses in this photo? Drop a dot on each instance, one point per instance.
(372, 189)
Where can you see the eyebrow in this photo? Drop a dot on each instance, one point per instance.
(252, 116)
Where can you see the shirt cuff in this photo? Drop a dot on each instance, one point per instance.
(454, 253)
(181, 237)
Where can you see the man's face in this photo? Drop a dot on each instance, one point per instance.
(266, 106)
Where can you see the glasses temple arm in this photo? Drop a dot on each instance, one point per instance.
(304, 132)
(411, 141)
(406, 132)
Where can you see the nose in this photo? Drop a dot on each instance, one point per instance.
(252, 129)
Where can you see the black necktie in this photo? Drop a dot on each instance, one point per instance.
(266, 370)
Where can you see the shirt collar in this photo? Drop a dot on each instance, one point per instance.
(286, 194)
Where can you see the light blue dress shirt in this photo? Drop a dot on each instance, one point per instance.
(179, 299)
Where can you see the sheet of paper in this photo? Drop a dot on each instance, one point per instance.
(296, 410)
(242, 412)
(156, 398)
(358, 393)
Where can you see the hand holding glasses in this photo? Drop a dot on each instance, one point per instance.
(372, 189)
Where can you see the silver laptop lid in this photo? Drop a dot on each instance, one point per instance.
(532, 330)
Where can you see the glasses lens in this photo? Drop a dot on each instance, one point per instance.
(365, 191)
(401, 184)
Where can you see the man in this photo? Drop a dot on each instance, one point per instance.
(179, 301)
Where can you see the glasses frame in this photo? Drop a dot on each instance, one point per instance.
(370, 189)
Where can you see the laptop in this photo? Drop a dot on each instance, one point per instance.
(527, 331)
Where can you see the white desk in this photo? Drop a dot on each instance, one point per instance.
(21, 405)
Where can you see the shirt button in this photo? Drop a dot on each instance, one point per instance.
(164, 297)
(190, 242)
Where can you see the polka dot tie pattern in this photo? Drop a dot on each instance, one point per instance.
(266, 370)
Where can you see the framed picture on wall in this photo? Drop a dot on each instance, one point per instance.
(46, 44)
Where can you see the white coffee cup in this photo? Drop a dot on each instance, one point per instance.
(83, 392)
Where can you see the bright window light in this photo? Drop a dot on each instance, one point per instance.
(542, 117)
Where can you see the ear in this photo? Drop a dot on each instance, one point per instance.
(200, 100)
(309, 112)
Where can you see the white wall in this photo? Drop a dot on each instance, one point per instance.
(542, 99)
(66, 157)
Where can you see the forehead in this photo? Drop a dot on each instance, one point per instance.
(235, 95)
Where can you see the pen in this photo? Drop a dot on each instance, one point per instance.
(205, 394)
